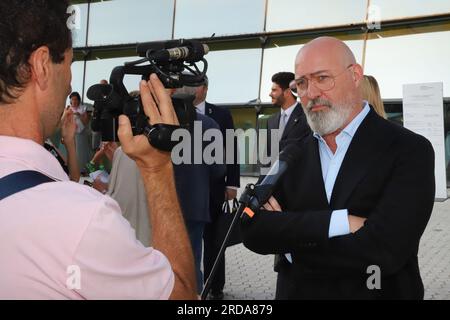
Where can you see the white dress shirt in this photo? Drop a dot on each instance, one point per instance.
(201, 107)
(288, 113)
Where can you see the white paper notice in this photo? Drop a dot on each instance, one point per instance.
(423, 113)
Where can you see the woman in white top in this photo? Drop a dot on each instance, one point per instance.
(82, 119)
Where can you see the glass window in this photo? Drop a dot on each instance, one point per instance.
(233, 75)
(283, 59)
(202, 18)
(416, 58)
(410, 8)
(245, 118)
(79, 31)
(130, 21)
(251, 119)
(305, 14)
(77, 77)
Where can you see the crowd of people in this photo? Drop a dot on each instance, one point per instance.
(360, 194)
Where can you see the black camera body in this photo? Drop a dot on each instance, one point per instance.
(174, 62)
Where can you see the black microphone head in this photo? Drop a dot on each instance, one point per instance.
(99, 92)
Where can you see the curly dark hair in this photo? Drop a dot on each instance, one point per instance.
(26, 25)
(75, 94)
(283, 79)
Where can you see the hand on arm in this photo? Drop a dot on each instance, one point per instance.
(169, 233)
(230, 193)
(355, 223)
(272, 205)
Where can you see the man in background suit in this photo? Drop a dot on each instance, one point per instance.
(290, 120)
(351, 211)
(193, 182)
(225, 189)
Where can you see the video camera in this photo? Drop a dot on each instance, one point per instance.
(175, 64)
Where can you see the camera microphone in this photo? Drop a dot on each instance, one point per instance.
(264, 189)
(254, 197)
(193, 53)
(189, 50)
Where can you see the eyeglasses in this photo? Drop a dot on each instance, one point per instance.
(323, 82)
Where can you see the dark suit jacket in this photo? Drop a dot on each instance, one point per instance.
(193, 181)
(387, 176)
(296, 128)
(232, 178)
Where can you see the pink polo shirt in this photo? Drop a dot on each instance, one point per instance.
(63, 240)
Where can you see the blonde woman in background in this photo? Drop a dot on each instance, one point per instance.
(371, 93)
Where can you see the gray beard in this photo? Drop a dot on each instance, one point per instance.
(329, 121)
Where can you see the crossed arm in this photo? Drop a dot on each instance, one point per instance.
(388, 238)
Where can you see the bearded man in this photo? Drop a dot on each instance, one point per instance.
(347, 218)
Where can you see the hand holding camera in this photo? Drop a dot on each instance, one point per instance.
(174, 63)
(158, 107)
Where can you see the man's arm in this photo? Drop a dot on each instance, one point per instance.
(68, 130)
(352, 223)
(169, 234)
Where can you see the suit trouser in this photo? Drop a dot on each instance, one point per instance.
(212, 245)
(195, 231)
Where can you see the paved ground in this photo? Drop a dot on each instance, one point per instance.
(250, 276)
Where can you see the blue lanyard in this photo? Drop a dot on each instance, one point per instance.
(20, 181)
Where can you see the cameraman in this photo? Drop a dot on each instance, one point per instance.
(62, 240)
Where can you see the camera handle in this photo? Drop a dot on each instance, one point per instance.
(247, 198)
(159, 136)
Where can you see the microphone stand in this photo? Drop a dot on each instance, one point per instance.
(247, 199)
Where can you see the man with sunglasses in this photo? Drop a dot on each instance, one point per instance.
(349, 215)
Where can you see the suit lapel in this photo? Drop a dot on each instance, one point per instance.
(368, 144)
(314, 176)
(294, 119)
(208, 110)
(304, 178)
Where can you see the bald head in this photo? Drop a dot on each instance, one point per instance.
(328, 78)
(325, 51)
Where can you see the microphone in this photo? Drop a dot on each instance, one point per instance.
(192, 53)
(187, 53)
(253, 198)
(263, 190)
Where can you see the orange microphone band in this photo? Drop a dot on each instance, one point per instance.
(249, 212)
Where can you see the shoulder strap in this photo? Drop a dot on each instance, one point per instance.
(20, 181)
